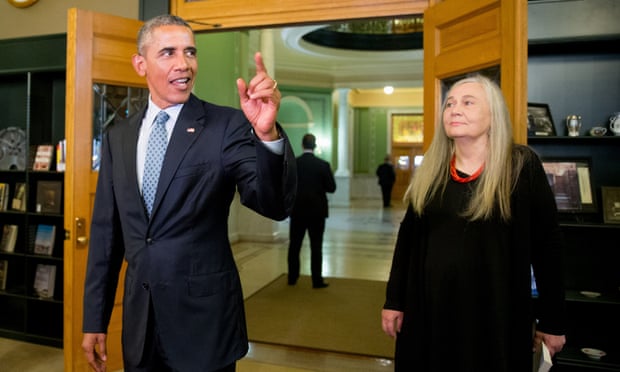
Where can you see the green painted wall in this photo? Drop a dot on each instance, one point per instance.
(370, 140)
(222, 58)
(309, 110)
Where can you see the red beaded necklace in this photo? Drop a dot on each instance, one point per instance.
(457, 178)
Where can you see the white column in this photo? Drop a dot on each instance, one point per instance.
(342, 196)
(268, 51)
(251, 226)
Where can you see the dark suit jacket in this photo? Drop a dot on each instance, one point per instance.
(386, 174)
(314, 180)
(180, 259)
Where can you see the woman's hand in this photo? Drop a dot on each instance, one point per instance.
(391, 320)
(554, 343)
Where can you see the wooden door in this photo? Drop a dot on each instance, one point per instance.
(403, 158)
(99, 49)
(466, 36)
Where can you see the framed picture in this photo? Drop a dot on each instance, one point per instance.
(611, 204)
(49, 197)
(571, 184)
(407, 128)
(539, 120)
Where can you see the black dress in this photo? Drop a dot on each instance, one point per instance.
(465, 286)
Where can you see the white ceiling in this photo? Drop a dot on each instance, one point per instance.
(298, 62)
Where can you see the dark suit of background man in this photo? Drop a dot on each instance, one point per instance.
(314, 180)
(183, 304)
(387, 177)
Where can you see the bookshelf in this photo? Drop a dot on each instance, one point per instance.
(591, 264)
(32, 85)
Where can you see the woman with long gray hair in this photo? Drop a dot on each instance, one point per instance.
(480, 215)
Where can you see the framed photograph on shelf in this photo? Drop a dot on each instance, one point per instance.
(49, 197)
(611, 204)
(571, 184)
(407, 128)
(539, 120)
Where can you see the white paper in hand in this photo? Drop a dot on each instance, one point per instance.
(542, 359)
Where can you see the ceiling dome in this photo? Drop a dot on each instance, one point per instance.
(370, 35)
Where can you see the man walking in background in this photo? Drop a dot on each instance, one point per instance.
(314, 180)
(387, 177)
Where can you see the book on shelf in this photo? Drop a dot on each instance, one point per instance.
(9, 238)
(4, 196)
(4, 265)
(44, 239)
(49, 196)
(43, 158)
(19, 198)
(45, 280)
(61, 155)
(30, 237)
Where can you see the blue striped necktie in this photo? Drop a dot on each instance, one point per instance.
(155, 151)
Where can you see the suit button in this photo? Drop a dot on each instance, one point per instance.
(149, 240)
(145, 286)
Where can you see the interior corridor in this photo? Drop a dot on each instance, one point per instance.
(358, 243)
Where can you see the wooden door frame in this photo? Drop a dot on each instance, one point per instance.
(98, 53)
(221, 15)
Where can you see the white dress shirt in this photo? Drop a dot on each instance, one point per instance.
(145, 131)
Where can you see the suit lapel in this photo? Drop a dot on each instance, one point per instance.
(187, 129)
(130, 148)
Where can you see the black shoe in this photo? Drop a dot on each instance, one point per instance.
(320, 285)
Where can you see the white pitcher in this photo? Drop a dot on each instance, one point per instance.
(614, 123)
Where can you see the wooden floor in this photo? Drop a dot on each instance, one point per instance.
(359, 242)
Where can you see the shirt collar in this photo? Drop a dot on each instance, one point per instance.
(153, 110)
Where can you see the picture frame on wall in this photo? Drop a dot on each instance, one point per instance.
(611, 204)
(539, 120)
(407, 128)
